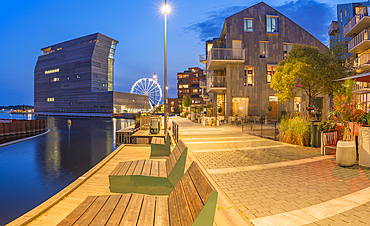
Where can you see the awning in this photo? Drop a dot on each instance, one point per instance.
(358, 78)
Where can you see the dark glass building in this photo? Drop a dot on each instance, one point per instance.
(76, 78)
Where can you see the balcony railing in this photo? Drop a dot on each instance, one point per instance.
(217, 81)
(225, 54)
(357, 18)
(361, 87)
(202, 83)
(362, 60)
(357, 40)
(203, 58)
(333, 28)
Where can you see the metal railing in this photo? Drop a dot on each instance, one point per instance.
(175, 131)
(258, 126)
(216, 81)
(358, 39)
(362, 13)
(333, 27)
(202, 58)
(362, 60)
(202, 83)
(361, 86)
(225, 54)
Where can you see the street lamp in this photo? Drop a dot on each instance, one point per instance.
(155, 87)
(165, 10)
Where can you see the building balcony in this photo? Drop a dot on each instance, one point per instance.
(219, 57)
(216, 84)
(362, 87)
(358, 23)
(360, 42)
(203, 59)
(333, 28)
(205, 97)
(363, 62)
(203, 83)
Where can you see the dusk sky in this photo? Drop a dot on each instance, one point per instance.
(27, 26)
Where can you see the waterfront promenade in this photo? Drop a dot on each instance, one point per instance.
(260, 181)
(273, 183)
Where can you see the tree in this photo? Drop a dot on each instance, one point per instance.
(186, 102)
(308, 70)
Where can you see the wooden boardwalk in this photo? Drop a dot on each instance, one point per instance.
(97, 184)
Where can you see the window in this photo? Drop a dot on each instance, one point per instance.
(52, 71)
(340, 16)
(54, 79)
(195, 91)
(50, 99)
(78, 76)
(248, 24)
(248, 76)
(105, 85)
(264, 49)
(345, 13)
(287, 47)
(270, 72)
(272, 24)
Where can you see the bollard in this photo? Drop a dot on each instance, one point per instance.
(37, 125)
(23, 126)
(28, 126)
(32, 126)
(6, 129)
(11, 128)
(1, 129)
(17, 128)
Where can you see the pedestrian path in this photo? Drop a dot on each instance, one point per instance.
(273, 183)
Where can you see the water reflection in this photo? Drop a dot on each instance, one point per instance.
(34, 170)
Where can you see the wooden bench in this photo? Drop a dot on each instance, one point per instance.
(192, 202)
(329, 140)
(149, 176)
(161, 146)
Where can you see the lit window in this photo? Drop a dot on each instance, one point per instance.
(287, 47)
(345, 13)
(209, 47)
(105, 85)
(340, 16)
(272, 24)
(270, 72)
(78, 76)
(179, 76)
(195, 91)
(54, 79)
(248, 76)
(185, 86)
(52, 71)
(264, 49)
(248, 24)
(50, 99)
(180, 86)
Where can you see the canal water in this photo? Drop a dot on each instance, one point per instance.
(34, 170)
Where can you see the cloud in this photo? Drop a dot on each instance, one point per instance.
(211, 27)
(315, 17)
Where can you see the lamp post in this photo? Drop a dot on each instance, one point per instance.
(165, 11)
(155, 87)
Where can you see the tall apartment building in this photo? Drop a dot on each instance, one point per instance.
(76, 78)
(353, 29)
(243, 60)
(190, 82)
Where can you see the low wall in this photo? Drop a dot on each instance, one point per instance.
(22, 127)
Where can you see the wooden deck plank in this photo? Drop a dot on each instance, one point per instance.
(125, 168)
(106, 211)
(94, 209)
(117, 169)
(80, 209)
(192, 196)
(132, 167)
(161, 217)
(146, 168)
(147, 211)
(139, 167)
(133, 210)
(162, 169)
(120, 210)
(154, 170)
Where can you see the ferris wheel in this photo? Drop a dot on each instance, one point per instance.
(148, 87)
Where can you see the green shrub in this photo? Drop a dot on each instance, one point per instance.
(295, 130)
(327, 126)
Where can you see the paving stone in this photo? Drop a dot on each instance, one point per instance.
(324, 221)
(351, 219)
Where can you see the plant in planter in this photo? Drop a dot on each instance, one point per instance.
(214, 121)
(345, 106)
(220, 110)
(327, 126)
(196, 120)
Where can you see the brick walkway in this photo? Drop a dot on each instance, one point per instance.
(273, 183)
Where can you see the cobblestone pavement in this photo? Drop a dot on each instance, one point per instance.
(283, 194)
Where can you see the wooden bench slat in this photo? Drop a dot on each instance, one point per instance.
(133, 210)
(170, 163)
(201, 183)
(132, 167)
(194, 201)
(106, 211)
(161, 217)
(182, 205)
(124, 168)
(176, 153)
(173, 209)
(94, 209)
(147, 211)
(181, 145)
(120, 210)
(162, 169)
(154, 170)
(117, 168)
(146, 168)
(78, 211)
(139, 167)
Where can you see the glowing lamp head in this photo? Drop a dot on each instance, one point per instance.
(165, 9)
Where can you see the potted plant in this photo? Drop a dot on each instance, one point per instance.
(214, 121)
(196, 120)
(345, 106)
